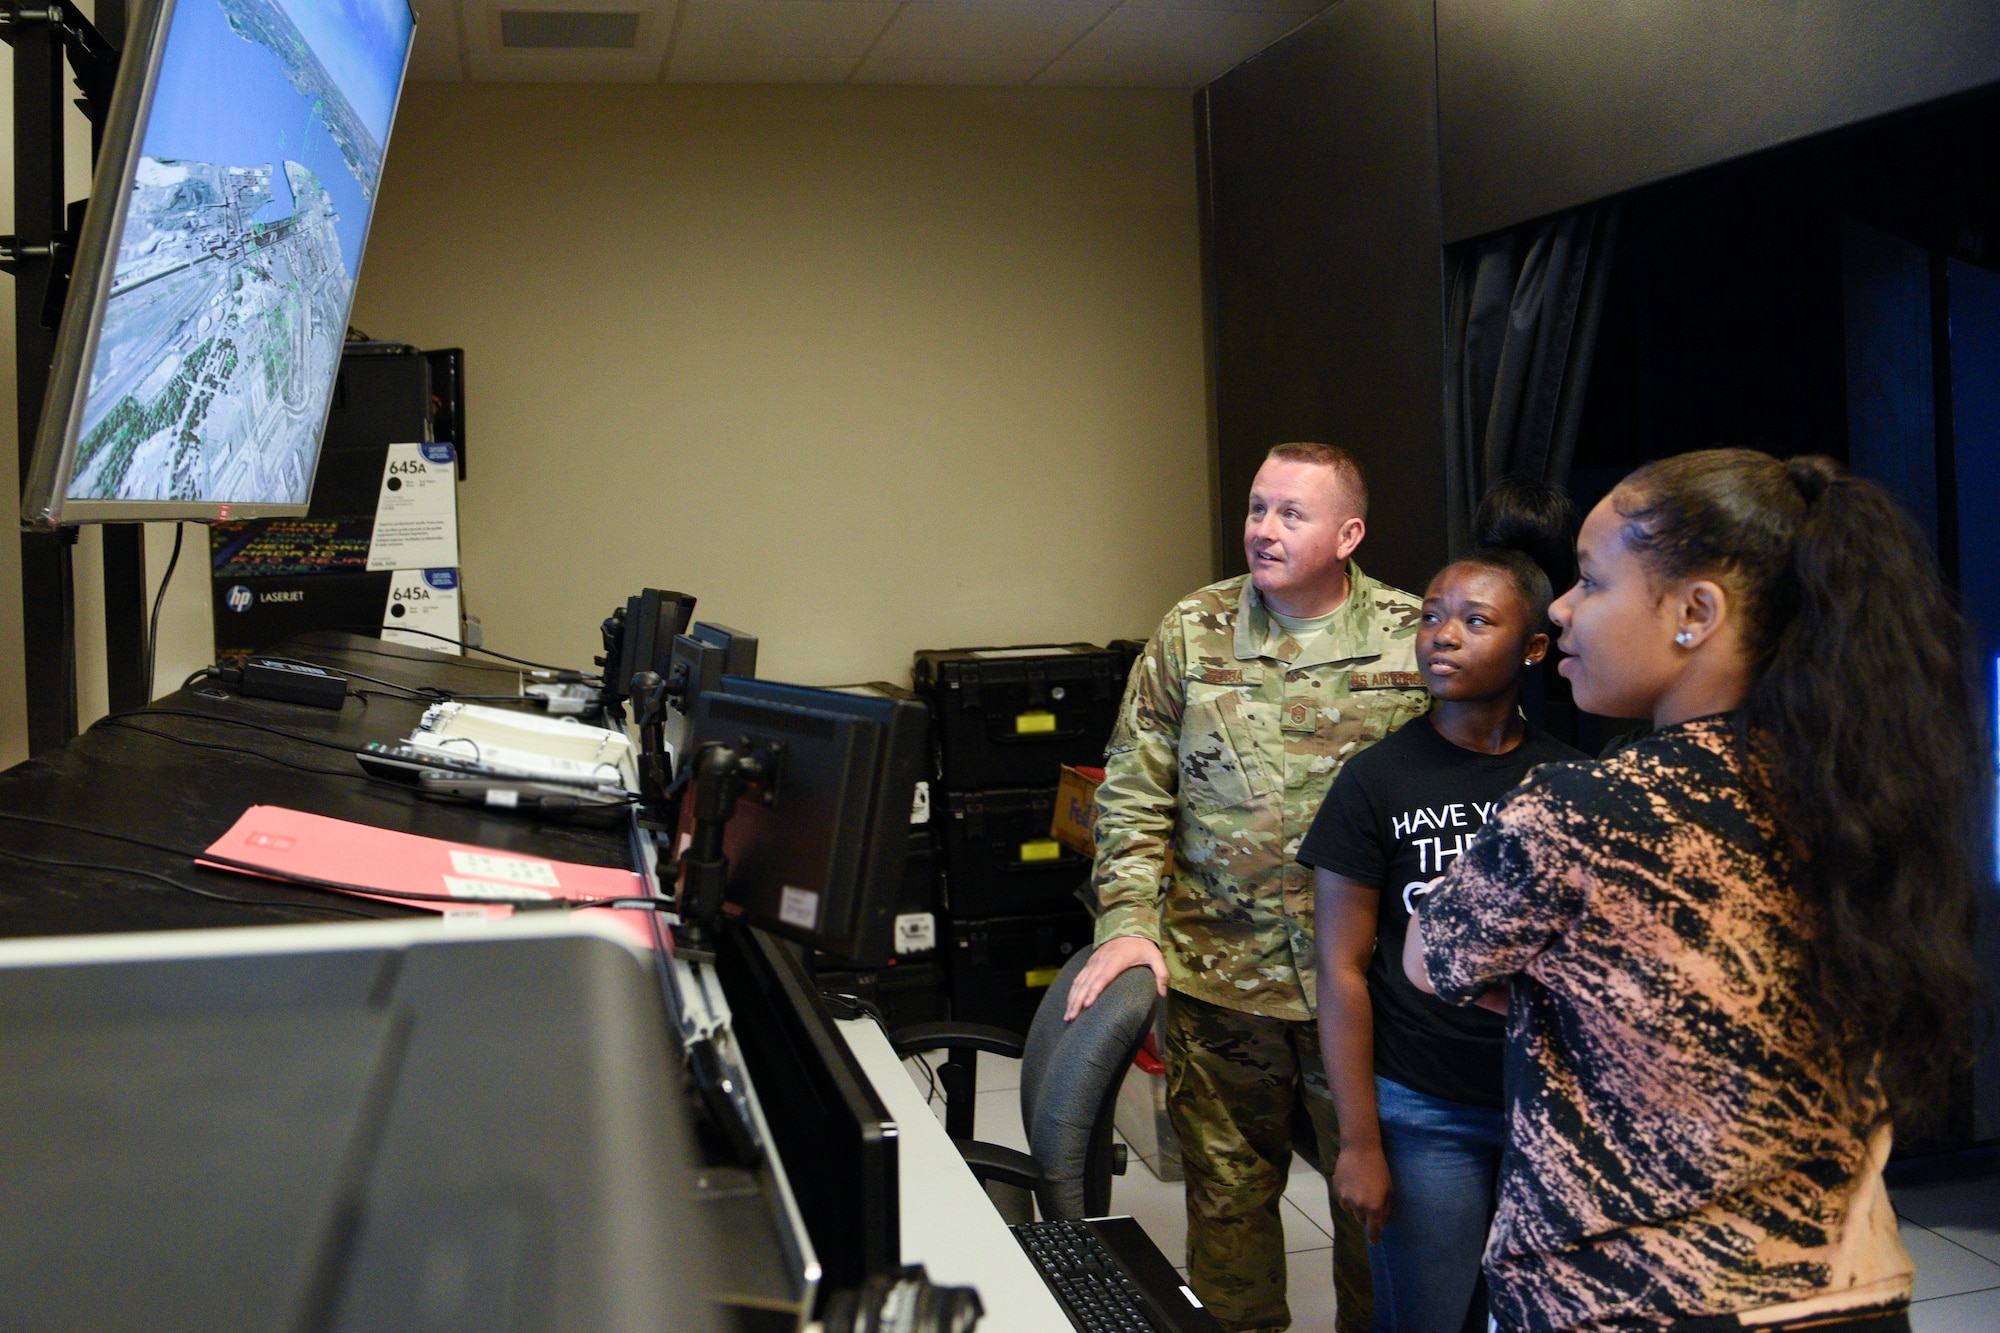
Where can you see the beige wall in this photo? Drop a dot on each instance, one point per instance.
(865, 369)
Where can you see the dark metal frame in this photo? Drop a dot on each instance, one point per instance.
(38, 254)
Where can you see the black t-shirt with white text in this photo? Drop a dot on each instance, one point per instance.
(1395, 818)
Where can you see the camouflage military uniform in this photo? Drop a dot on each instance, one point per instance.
(1228, 738)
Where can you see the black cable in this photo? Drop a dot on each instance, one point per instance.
(123, 721)
(60, 864)
(153, 625)
(313, 882)
(71, 827)
(430, 692)
(297, 635)
(456, 643)
(241, 722)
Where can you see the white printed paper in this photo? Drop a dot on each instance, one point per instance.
(487, 865)
(416, 512)
(459, 887)
(425, 600)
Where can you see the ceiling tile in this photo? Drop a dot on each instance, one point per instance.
(988, 73)
(434, 55)
(749, 69)
(988, 29)
(760, 30)
(1238, 6)
(1166, 48)
(564, 67)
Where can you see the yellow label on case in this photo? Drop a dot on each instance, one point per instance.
(1042, 976)
(1041, 849)
(1034, 723)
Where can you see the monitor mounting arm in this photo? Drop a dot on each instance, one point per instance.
(723, 776)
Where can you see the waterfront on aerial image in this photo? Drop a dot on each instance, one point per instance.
(234, 275)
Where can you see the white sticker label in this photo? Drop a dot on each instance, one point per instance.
(992, 654)
(916, 932)
(504, 797)
(799, 907)
(920, 807)
(458, 887)
(1193, 1299)
(464, 916)
(485, 865)
(416, 513)
(424, 600)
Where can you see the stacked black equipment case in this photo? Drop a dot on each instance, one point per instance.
(1007, 720)
(910, 987)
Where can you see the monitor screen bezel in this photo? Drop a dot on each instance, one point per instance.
(44, 500)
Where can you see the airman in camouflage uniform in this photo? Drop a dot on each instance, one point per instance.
(1228, 739)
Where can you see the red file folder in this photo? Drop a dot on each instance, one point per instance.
(360, 857)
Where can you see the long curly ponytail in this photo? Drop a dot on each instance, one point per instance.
(1861, 718)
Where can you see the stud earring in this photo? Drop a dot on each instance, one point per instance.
(1685, 638)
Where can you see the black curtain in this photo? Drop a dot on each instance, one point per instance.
(1521, 318)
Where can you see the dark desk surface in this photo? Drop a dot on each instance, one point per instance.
(160, 777)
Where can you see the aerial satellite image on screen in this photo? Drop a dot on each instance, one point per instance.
(234, 276)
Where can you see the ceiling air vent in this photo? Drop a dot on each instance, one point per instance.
(568, 30)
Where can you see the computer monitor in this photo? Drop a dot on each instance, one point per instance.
(816, 846)
(213, 279)
(835, 1137)
(637, 639)
(697, 662)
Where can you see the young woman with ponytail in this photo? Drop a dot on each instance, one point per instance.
(1737, 952)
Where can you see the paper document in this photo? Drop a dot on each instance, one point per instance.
(291, 842)
(425, 600)
(416, 513)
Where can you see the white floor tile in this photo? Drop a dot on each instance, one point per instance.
(1158, 1206)
(997, 1119)
(998, 1073)
(1301, 1232)
(1965, 1211)
(1309, 1291)
(1945, 1269)
(1976, 1312)
(1307, 1192)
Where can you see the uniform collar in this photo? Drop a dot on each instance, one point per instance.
(1354, 633)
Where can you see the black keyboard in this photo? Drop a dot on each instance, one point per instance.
(1127, 1289)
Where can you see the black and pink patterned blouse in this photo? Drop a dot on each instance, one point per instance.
(1679, 1145)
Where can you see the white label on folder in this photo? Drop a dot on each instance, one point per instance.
(799, 907)
(425, 600)
(486, 888)
(916, 932)
(416, 513)
(485, 865)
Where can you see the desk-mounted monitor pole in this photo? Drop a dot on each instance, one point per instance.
(723, 776)
(43, 34)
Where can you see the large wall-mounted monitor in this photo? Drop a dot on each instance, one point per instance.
(213, 280)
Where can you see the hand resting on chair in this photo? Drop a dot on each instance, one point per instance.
(1113, 957)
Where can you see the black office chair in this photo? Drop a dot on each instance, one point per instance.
(1070, 1076)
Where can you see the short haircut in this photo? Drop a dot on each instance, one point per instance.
(1333, 456)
